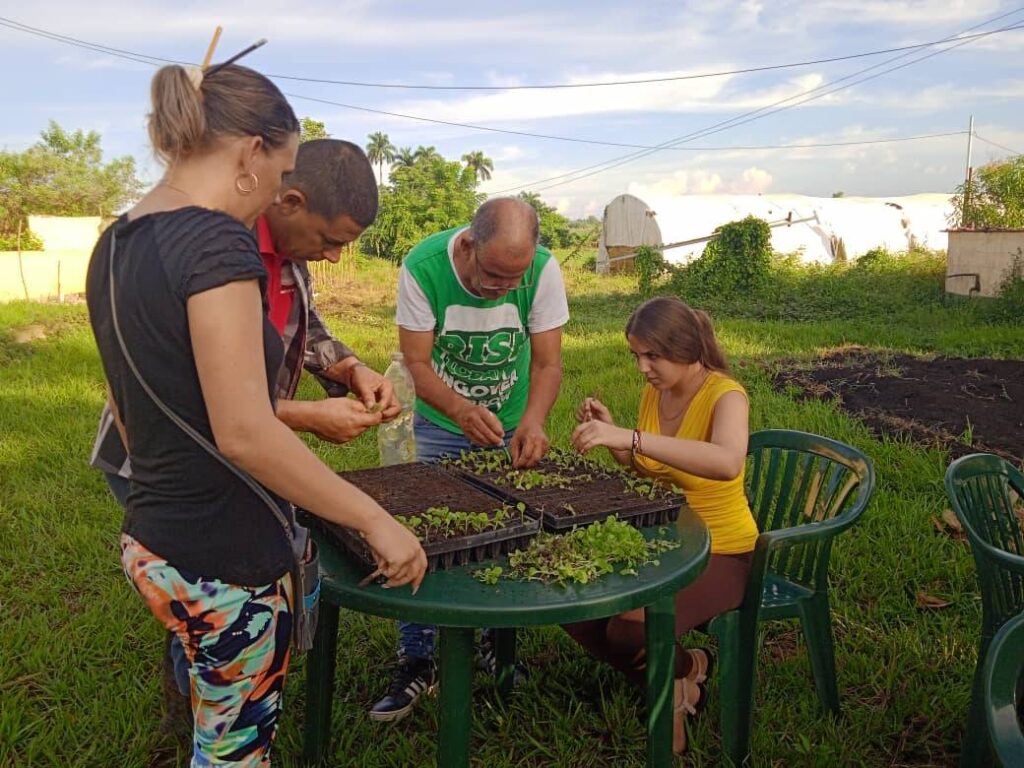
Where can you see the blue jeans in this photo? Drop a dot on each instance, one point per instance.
(432, 444)
(119, 487)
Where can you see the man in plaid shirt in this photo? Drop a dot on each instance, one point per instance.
(324, 204)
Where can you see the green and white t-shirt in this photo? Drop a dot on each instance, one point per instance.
(481, 346)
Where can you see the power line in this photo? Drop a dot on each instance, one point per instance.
(994, 144)
(133, 56)
(591, 170)
(141, 58)
(640, 81)
(578, 140)
(646, 150)
(743, 118)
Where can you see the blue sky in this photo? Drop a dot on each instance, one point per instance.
(446, 43)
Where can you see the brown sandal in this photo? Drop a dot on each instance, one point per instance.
(689, 699)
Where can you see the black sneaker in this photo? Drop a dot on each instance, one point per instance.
(412, 678)
(487, 661)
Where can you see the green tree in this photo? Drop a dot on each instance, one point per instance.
(380, 150)
(426, 153)
(312, 129)
(480, 163)
(427, 196)
(554, 227)
(405, 158)
(63, 174)
(994, 198)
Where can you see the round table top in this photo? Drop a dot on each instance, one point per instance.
(454, 598)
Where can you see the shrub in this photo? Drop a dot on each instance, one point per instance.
(649, 265)
(1009, 306)
(882, 285)
(30, 241)
(738, 259)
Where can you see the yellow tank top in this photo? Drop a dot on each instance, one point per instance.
(722, 504)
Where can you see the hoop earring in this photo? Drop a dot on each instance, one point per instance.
(252, 178)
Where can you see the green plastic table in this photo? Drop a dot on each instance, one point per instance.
(458, 603)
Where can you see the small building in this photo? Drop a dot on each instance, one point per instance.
(980, 260)
(57, 270)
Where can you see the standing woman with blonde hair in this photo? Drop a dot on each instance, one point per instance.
(174, 291)
(692, 432)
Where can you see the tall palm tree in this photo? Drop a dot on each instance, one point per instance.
(380, 150)
(426, 153)
(480, 163)
(405, 157)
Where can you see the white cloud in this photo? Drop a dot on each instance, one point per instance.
(708, 95)
(686, 182)
(507, 153)
(894, 12)
(942, 96)
(352, 23)
(753, 181)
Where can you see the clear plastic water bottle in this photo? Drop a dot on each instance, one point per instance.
(395, 439)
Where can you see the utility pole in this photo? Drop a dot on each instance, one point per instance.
(967, 174)
(970, 144)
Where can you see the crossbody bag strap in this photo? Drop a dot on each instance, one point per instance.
(184, 426)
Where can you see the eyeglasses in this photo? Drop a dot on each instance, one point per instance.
(523, 283)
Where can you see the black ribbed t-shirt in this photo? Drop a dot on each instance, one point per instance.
(183, 505)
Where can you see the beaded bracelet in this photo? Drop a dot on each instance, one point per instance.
(637, 445)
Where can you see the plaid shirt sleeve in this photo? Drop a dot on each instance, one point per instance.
(322, 349)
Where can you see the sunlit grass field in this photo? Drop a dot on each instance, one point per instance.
(80, 655)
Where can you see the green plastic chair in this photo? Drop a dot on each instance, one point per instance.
(983, 490)
(803, 490)
(1004, 665)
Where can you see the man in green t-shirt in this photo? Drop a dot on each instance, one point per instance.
(480, 316)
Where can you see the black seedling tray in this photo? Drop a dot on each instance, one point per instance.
(410, 489)
(595, 493)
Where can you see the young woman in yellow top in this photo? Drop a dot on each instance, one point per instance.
(692, 432)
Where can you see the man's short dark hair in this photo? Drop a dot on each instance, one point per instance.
(337, 179)
(488, 218)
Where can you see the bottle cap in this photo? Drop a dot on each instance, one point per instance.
(397, 356)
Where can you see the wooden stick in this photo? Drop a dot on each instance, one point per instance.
(371, 578)
(212, 48)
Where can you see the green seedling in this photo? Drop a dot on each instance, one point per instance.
(439, 523)
(583, 555)
(488, 575)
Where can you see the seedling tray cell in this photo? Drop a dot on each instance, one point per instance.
(411, 489)
(591, 491)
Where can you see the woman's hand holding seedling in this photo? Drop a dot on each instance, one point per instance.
(397, 552)
(594, 433)
(592, 409)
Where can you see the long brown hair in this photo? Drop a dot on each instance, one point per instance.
(231, 101)
(677, 332)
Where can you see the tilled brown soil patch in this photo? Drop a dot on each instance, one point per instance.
(964, 405)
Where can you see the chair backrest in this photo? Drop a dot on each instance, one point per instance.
(1004, 664)
(987, 494)
(795, 478)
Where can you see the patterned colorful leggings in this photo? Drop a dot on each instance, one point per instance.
(237, 642)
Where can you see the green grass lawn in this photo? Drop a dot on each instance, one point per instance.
(80, 655)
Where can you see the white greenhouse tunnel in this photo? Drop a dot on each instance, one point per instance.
(862, 223)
